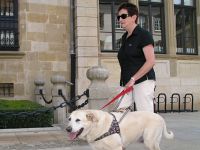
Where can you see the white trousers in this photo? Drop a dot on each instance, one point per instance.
(142, 95)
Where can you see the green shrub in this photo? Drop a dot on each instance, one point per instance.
(24, 114)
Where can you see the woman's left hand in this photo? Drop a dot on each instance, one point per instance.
(130, 83)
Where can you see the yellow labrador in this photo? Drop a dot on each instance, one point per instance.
(102, 131)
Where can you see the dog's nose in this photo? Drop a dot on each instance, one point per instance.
(69, 129)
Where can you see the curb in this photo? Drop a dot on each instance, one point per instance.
(54, 128)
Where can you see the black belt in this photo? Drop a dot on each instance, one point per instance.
(144, 78)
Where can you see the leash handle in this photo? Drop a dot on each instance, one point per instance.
(127, 90)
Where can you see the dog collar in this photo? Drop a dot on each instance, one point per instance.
(114, 128)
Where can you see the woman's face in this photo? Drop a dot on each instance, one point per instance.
(125, 20)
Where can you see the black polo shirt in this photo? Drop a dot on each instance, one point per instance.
(131, 57)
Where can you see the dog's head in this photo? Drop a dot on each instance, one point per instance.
(80, 123)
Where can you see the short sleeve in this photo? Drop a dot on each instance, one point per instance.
(146, 39)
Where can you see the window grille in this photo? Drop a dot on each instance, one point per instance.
(157, 24)
(151, 18)
(110, 28)
(6, 89)
(186, 32)
(9, 25)
(118, 25)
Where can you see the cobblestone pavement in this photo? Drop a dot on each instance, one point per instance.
(186, 127)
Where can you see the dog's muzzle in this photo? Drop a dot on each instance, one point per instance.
(69, 129)
(73, 135)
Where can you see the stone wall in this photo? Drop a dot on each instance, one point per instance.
(44, 46)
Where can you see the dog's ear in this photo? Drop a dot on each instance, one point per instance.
(91, 117)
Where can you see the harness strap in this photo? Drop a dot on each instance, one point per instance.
(114, 128)
(126, 111)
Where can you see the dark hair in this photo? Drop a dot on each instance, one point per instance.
(132, 9)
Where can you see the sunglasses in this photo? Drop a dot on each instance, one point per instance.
(123, 16)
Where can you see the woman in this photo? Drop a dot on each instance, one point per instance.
(136, 58)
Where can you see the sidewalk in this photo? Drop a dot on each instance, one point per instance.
(186, 127)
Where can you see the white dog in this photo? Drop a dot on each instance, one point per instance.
(102, 131)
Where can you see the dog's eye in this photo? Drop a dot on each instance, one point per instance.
(69, 119)
(77, 120)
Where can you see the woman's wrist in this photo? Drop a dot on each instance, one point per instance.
(133, 79)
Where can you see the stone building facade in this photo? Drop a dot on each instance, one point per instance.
(43, 47)
(51, 31)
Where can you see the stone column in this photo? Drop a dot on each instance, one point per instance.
(170, 27)
(39, 83)
(59, 83)
(87, 40)
(171, 35)
(136, 2)
(98, 89)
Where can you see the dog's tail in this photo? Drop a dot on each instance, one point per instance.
(167, 134)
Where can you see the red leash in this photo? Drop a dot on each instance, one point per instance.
(118, 96)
